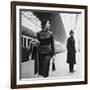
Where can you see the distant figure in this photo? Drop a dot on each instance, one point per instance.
(45, 50)
(71, 52)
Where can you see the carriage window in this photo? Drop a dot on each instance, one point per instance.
(24, 42)
(28, 41)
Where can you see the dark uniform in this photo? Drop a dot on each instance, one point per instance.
(71, 53)
(45, 51)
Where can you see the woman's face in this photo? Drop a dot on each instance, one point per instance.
(71, 34)
(48, 25)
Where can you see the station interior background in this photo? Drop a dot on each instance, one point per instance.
(60, 25)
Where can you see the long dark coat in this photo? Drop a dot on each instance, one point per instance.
(71, 51)
(45, 38)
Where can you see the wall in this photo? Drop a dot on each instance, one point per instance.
(5, 45)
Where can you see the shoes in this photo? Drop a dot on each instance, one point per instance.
(36, 75)
(72, 71)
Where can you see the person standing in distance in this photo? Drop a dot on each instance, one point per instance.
(71, 51)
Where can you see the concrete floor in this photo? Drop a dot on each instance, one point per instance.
(62, 68)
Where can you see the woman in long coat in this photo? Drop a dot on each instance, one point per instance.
(45, 50)
(71, 52)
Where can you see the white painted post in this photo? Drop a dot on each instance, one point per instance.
(27, 42)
